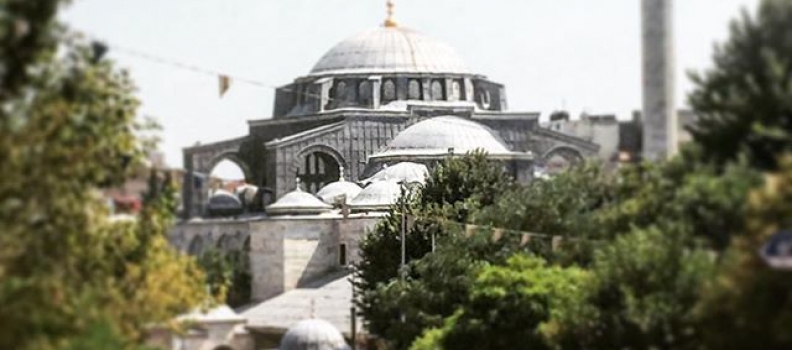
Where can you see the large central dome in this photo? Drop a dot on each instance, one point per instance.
(390, 50)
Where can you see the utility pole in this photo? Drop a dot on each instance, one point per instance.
(403, 230)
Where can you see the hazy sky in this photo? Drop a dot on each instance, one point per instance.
(581, 55)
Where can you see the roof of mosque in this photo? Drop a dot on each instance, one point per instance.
(222, 199)
(390, 49)
(328, 298)
(297, 202)
(330, 192)
(333, 190)
(407, 172)
(313, 334)
(439, 135)
(377, 196)
(219, 314)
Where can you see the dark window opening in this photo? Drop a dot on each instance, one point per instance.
(342, 255)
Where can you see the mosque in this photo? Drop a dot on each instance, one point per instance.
(378, 110)
(371, 100)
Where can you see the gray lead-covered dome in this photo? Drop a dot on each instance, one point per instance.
(390, 50)
(313, 334)
(297, 202)
(437, 135)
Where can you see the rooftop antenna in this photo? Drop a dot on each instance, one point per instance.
(389, 22)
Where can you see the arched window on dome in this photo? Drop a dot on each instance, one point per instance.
(456, 91)
(414, 89)
(364, 93)
(484, 99)
(340, 92)
(437, 90)
(388, 91)
(318, 170)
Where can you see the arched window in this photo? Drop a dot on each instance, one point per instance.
(437, 90)
(414, 90)
(456, 91)
(364, 92)
(196, 246)
(340, 91)
(484, 99)
(225, 242)
(318, 170)
(388, 91)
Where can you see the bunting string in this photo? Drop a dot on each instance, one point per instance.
(496, 234)
(225, 80)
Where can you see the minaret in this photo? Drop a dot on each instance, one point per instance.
(659, 109)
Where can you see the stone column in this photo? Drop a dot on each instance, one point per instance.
(325, 85)
(375, 82)
(187, 186)
(659, 109)
(468, 90)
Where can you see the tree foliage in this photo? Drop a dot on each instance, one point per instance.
(454, 189)
(745, 100)
(748, 304)
(509, 307)
(227, 275)
(67, 128)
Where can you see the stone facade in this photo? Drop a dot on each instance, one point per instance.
(356, 99)
(347, 138)
(285, 252)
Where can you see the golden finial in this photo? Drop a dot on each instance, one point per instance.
(389, 22)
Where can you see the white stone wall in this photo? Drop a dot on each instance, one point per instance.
(285, 252)
(604, 133)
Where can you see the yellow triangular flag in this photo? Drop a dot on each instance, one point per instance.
(410, 221)
(497, 234)
(225, 84)
(526, 238)
(470, 230)
(557, 242)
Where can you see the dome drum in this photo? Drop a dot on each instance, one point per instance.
(383, 65)
(377, 91)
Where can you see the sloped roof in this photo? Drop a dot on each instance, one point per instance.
(329, 299)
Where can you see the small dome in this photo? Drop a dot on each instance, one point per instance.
(297, 202)
(313, 334)
(380, 195)
(331, 191)
(435, 136)
(222, 199)
(408, 172)
(390, 50)
(223, 203)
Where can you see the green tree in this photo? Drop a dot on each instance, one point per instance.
(748, 304)
(454, 189)
(745, 100)
(67, 129)
(227, 275)
(509, 307)
(643, 286)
